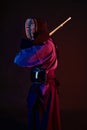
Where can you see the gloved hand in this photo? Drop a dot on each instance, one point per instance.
(26, 43)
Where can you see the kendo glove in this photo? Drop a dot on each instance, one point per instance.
(26, 43)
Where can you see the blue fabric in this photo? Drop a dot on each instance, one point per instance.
(34, 122)
(31, 100)
(37, 55)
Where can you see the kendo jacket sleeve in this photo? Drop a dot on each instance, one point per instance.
(35, 55)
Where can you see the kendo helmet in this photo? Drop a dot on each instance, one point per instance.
(36, 29)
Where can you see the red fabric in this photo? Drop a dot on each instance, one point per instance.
(54, 122)
(42, 33)
(54, 111)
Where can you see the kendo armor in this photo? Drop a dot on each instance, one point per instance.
(38, 75)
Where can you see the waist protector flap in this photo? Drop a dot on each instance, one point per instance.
(38, 75)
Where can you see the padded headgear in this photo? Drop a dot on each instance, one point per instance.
(30, 28)
(39, 33)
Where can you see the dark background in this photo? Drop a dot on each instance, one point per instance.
(71, 72)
